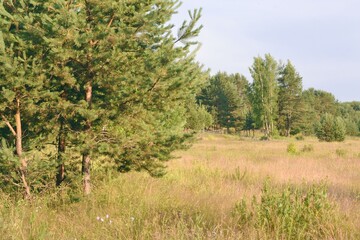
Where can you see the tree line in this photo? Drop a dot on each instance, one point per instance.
(92, 84)
(276, 103)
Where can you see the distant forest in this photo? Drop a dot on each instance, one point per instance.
(97, 87)
(274, 102)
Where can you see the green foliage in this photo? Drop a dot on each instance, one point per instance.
(299, 137)
(320, 101)
(226, 98)
(40, 171)
(308, 148)
(9, 165)
(290, 99)
(291, 213)
(264, 138)
(249, 122)
(238, 175)
(330, 129)
(198, 117)
(352, 128)
(316, 103)
(232, 130)
(341, 152)
(291, 148)
(351, 114)
(264, 92)
(98, 79)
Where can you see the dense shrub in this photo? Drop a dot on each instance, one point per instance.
(299, 137)
(290, 214)
(231, 130)
(307, 148)
(352, 128)
(330, 129)
(198, 118)
(340, 152)
(291, 148)
(38, 171)
(264, 138)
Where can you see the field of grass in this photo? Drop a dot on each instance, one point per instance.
(224, 187)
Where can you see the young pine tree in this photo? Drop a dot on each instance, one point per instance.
(21, 81)
(289, 100)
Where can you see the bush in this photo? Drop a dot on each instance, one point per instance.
(307, 148)
(290, 214)
(291, 148)
(39, 171)
(198, 118)
(330, 129)
(299, 137)
(340, 152)
(232, 130)
(352, 128)
(264, 138)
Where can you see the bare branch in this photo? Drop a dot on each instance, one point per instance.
(111, 20)
(9, 125)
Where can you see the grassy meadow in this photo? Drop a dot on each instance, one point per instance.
(223, 187)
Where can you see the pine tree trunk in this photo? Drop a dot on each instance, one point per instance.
(60, 176)
(23, 160)
(288, 126)
(86, 161)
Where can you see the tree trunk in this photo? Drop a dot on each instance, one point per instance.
(86, 161)
(288, 125)
(23, 160)
(60, 176)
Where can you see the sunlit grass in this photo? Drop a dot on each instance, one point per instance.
(197, 199)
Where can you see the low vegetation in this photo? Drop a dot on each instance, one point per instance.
(222, 188)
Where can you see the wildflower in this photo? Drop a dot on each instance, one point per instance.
(132, 219)
(107, 216)
(98, 218)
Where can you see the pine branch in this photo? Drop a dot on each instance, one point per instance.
(9, 125)
(189, 30)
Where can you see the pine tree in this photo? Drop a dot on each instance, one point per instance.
(289, 100)
(198, 118)
(22, 79)
(124, 79)
(330, 128)
(225, 96)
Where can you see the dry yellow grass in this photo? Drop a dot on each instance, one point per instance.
(196, 199)
(337, 164)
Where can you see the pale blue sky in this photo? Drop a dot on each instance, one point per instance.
(320, 37)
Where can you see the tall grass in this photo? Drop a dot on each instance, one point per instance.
(222, 188)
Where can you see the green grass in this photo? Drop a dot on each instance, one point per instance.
(224, 187)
